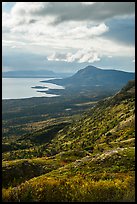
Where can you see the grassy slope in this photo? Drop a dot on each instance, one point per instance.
(93, 158)
(106, 125)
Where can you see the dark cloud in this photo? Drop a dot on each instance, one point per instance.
(31, 21)
(100, 11)
(122, 31)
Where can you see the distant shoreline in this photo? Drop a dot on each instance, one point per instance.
(20, 88)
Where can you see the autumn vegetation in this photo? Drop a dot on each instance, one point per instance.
(84, 156)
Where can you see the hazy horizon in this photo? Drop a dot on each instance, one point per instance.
(72, 72)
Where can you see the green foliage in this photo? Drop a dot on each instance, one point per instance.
(88, 157)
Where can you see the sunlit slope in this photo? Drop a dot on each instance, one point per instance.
(111, 123)
(92, 159)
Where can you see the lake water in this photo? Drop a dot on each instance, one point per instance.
(15, 88)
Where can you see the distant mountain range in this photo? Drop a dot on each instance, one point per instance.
(92, 80)
(34, 74)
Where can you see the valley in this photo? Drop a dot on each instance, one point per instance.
(78, 148)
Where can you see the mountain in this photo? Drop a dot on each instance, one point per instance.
(95, 80)
(31, 73)
(91, 158)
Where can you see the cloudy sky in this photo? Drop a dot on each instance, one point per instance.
(67, 36)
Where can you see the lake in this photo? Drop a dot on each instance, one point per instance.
(16, 88)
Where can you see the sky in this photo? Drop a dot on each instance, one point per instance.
(68, 36)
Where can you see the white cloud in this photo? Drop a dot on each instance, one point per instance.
(27, 12)
(6, 20)
(27, 8)
(87, 31)
(85, 55)
(57, 57)
(75, 36)
(88, 3)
